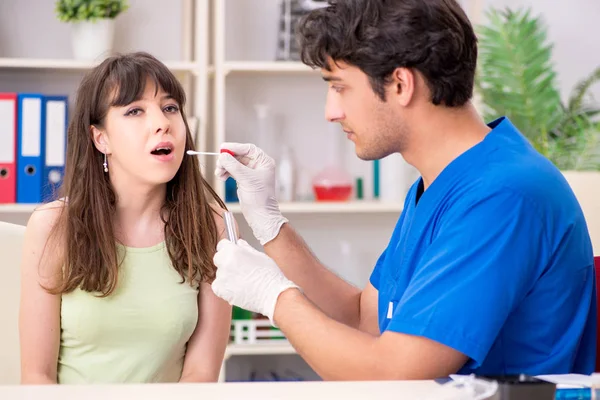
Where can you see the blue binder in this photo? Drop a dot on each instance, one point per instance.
(55, 145)
(29, 148)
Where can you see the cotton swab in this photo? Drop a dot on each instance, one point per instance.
(209, 153)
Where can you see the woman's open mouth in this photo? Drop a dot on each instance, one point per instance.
(163, 152)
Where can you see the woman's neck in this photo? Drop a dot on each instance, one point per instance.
(137, 219)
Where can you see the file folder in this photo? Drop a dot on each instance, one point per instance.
(29, 148)
(8, 147)
(55, 145)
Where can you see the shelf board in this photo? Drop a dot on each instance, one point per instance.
(17, 208)
(79, 65)
(332, 207)
(259, 349)
(354, 207)
(267, 67)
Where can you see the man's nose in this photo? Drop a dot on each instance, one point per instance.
(333, 110)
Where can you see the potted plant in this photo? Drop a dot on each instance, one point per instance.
(92, 24)
(516, 78)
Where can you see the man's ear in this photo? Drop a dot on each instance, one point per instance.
(100, 139)
(403, 84)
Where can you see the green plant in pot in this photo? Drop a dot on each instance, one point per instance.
(92, 24)
(516, 78)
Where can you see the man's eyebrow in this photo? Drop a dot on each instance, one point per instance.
(329, 78)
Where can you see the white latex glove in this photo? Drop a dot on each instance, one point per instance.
(254, 172)
(248, 278)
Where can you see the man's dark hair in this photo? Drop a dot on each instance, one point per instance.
(434, 37)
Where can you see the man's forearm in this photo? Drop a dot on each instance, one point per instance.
(338, 352)
(333, 350)
(335, 297)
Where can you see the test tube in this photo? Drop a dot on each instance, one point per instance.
(230, 225)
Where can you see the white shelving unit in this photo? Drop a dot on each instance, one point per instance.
(193, 69)
(197, 74)
(274, 349)
(225, 69)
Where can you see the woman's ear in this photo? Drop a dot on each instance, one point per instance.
(100, 139)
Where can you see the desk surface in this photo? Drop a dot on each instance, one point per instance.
(240, 391)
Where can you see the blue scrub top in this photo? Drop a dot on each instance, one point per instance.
(494, 260)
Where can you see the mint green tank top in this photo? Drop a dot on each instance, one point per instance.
(137, 334)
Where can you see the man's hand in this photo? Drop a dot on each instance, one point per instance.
(248, 278)
(254, 172)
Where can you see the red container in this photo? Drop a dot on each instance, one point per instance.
(332, 193)
(332, 184)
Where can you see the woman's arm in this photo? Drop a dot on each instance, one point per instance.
(207, 345)
(39, 314)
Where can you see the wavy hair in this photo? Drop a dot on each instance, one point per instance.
(85, 224)
(434, 37)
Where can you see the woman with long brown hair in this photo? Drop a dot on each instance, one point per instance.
(116, 274)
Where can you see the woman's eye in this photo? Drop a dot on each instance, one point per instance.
(336, 89)
(171, 109)
(133, 112)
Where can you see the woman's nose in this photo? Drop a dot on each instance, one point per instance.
(160, 122)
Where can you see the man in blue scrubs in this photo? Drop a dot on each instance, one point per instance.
(490, 267)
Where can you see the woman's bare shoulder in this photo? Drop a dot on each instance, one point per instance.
(42, 223)
(46, 215)
(44, 242)
(218, 210)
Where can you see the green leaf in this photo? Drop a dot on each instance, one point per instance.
(89, 10)
(516, 77)
(581, 90)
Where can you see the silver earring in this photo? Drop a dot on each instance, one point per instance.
(105, 165)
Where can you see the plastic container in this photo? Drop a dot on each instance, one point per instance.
(266, 134)
(231, 195)
(286, 176)
(332, 184)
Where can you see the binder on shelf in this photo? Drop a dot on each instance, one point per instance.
(54, 135)
(8, 148)
(29, 148)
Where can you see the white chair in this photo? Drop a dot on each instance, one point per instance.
(11, 245)
(586, 186)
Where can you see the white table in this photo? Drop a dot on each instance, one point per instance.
(406, 390)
